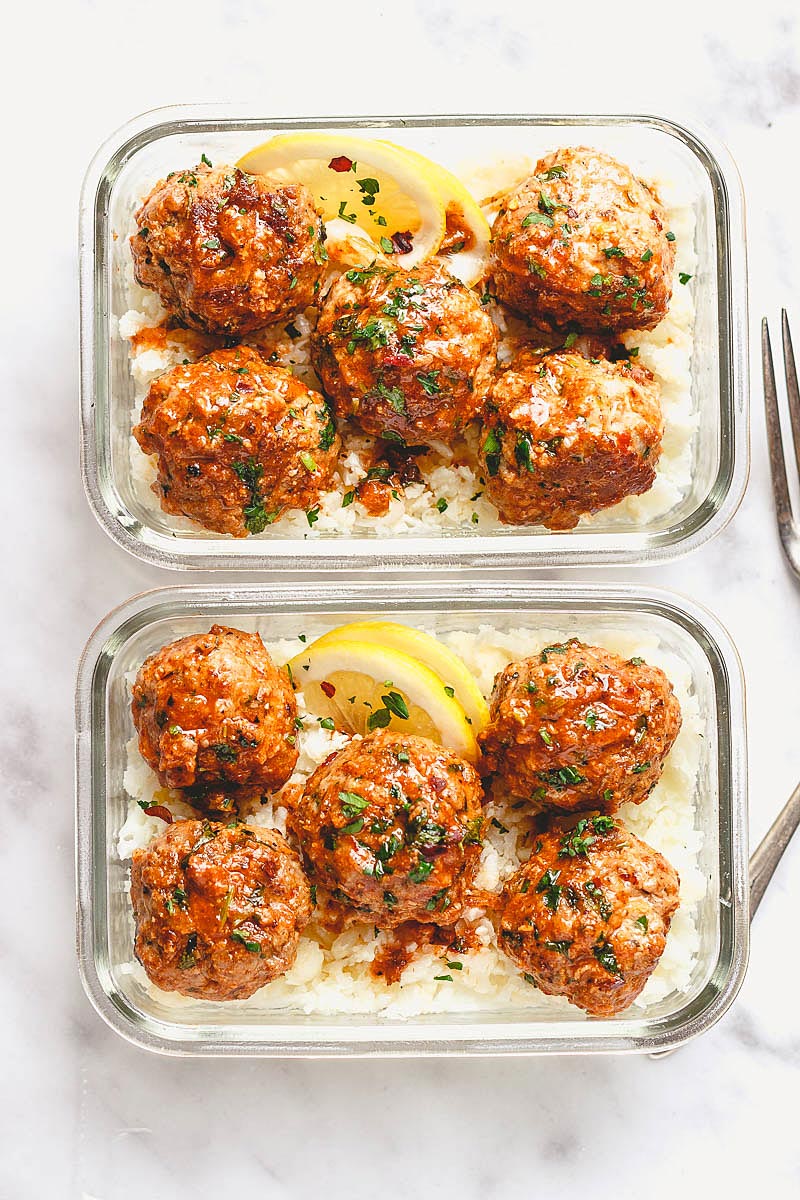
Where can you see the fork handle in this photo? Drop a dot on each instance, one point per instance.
(769, 851)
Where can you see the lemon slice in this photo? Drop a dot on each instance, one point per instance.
(464, 220)
(449, 668)
(363, 686)
(373, 186)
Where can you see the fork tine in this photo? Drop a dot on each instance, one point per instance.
(792, 389)
(780, 485)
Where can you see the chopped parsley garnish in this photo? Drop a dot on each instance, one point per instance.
(604, 953)
(256, 518)
(473, 835)
(545, 736)
(613, 252)
(225, 753)
(648, 254)
(312, 515)
(551, 888)
(570, 340)
(683, 277)
(561, 777)
(492, 450)
(595, 893)
(308, 462)
(203, 159)
(522, 451)
(642, 923)
(442, 504)
(640, 768)
(211, 243)
(348, 498)
(559, 947)
(362, 274)
(448, 691)
(538, 218)
(590, 719)
(354, 826)
(603, 825)
(421, 871)
(378, 719)
(326, 723)
(670, 237)
(352, 803)
(429, 385)
(394, 396)
(238, 936)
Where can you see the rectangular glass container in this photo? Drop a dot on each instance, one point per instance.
(152, 145)
(104, 726)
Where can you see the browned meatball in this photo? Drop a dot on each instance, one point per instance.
(407, 353)
(214, 709)
(587, 916)
(390, 826)
(565, 436)
(238, 441)
(229, 252)
(584, 242)
(577, 727)
(219, 908)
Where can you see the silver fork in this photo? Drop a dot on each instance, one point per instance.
(770, 850)
(788, 520)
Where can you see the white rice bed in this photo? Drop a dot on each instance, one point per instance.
(332, 976)
(449, 473)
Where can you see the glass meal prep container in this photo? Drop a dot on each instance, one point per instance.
(104, 726)
(156, 143)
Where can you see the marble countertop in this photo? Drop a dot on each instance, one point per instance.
(87, 1115)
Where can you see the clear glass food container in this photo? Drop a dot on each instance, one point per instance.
(158, 142)
(104, 725)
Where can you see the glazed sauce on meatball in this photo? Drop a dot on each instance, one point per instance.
(457, 234)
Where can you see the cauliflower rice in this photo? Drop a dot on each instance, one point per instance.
(332, 976)
(447, 473)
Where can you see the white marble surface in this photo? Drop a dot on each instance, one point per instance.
(87, 1115)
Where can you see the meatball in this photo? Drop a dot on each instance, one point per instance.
(577, 727)
(391, 826)
(584, 242)
(565, 436)
(238, 441)
(409, 354)
(587, 916)
(229, 252)
(219, 908)
(213, 709)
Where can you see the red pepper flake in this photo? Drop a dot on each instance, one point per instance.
(341, 164)
(158, 810)
(328, 689)
(403, 242)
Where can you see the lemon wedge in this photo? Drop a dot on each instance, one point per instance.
(375, 187)
(466, 228)
(363, 686)
(451, 671)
